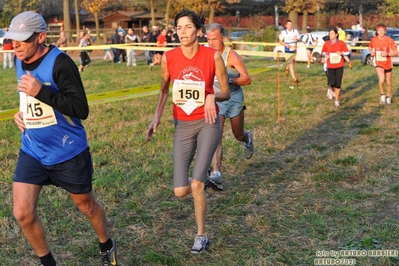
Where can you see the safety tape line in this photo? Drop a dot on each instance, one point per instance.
(119, 95)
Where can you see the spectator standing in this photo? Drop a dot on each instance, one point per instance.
(62, 41)
(202, 37)
(108, 55)
(115, 39)
(122, 52)
(54, 144)
(341, 33)
(365, 36)
(382, 48)
(153, 39)
(8, 56)
(145, 39)
(161, 42)
(130, 39)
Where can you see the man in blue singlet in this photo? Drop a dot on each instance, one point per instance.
(234, 108)
(54, 146)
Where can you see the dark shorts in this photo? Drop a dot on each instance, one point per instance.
(310, 49)
(385, 70)
(335, 77)
(74, 175)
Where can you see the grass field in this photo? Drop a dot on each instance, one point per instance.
(323, 179)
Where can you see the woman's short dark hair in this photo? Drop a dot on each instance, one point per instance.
(194, 17)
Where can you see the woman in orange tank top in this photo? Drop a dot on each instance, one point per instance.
(382, 48)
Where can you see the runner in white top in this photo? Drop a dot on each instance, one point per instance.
(289, 38)
(310, 42)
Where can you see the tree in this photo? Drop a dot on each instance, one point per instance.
(390, 8)
(67, 20)
(294, 7)
(95, 6)
(77, 18)
(11, 8)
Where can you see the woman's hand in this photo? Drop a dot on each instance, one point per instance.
(210, 109)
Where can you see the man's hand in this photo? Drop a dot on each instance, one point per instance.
(29, 84)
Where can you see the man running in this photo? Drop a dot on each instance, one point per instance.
(234, 108)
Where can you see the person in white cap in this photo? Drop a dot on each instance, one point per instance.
(54, 146)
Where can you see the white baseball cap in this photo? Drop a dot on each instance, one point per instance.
(24, 25)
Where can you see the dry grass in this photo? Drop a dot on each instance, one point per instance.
(322, 179)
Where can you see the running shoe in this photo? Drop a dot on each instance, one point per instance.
(108, 257)
(249, 147)
(329, 94)
(296, 81)
(201, 243)
(383, 99)
(389, 100)
(215, 180)
(337, 104)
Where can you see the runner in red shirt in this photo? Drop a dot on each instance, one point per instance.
(334, 53)
(382, 48)
(190, 69)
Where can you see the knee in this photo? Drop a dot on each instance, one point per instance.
(197, 186)
(181, 192)
(88, 208)
(23, 216)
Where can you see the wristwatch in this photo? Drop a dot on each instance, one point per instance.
(231, 80)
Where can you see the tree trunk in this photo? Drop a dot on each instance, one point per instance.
(293, 16)
(152, 12)
(77, 19)
(67, 20)
(211, 14)
(305, 20)
(167, 13)
(97, 28)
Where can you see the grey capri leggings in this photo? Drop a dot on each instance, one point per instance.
(191, 136)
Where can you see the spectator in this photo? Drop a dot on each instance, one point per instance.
(121, 52)
(131, 38)
(161, 42)
(8, 56)
(108, 55)
(153, 39)
(365, 36)
(145, 39)
(62, 41)
(115, 39)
